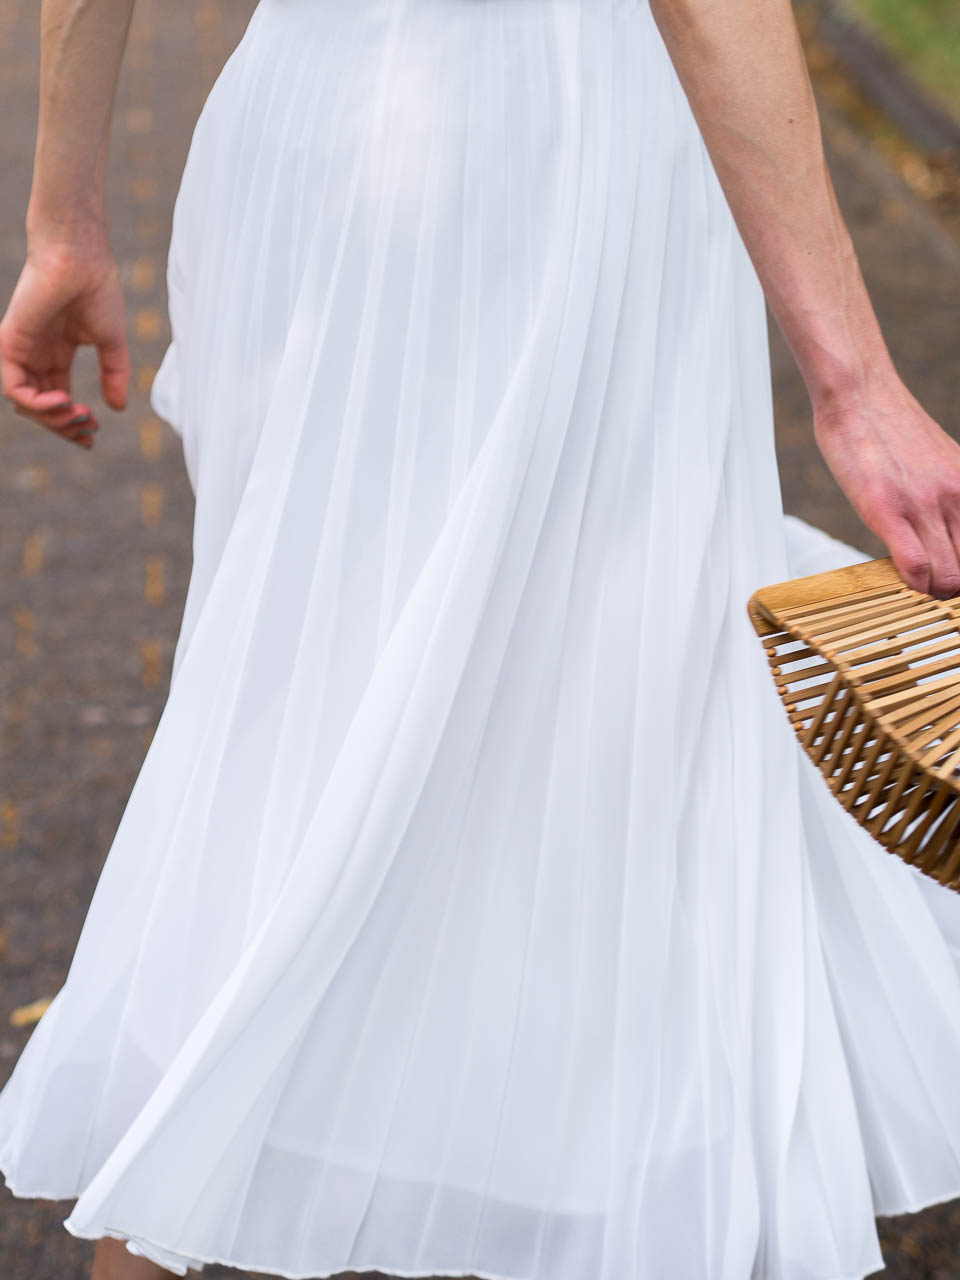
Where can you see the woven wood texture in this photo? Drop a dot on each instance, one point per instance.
(869, 672)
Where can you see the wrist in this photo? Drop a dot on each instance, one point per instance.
(67, 208)
(839, 385)
(72, 234)
(845, 356)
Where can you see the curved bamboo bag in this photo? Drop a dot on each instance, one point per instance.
(869, 672)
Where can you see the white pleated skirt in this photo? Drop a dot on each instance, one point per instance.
(475, 911)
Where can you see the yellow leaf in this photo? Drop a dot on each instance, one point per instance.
(28, 1013)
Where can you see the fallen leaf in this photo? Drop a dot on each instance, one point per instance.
(28, 1013)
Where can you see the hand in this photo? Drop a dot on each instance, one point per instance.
(61, 301)
(901, 472)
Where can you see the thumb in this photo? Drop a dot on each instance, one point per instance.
(114, 360)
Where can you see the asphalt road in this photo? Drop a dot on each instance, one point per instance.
(95, 548)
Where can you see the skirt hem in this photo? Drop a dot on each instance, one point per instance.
(385, 1269)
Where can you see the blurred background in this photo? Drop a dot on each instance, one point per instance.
(95, 547)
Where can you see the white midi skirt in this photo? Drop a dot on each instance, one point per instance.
(476, 911)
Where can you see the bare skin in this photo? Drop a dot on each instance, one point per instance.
(69, 292)
(114, 1261)
(742, 67)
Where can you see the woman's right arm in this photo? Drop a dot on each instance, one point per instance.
(742, 67)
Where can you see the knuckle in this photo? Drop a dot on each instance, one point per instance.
(913, 566)
(885, 501)
(917, 566)
(925, 498)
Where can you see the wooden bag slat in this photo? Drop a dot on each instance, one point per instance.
(868, 671)
(868, 576)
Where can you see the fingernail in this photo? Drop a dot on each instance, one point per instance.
(81, 417)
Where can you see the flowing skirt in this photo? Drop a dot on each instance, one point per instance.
(475, 910)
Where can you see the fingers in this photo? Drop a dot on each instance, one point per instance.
(50, 314)
(21, 391)
(51, 406)
(114, 372)
(54, 409)
(925, 554)
(909, 556)
(74, 423)
(27, 399)
(951, 518)
(931, 526)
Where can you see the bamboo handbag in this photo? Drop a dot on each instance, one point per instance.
(869, 672)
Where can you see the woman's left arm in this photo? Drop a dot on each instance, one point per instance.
(69, 292)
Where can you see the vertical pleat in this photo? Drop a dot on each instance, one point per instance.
(474, 912)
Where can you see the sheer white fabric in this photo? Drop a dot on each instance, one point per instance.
(475, 910)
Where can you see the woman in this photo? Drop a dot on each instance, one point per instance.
(474, 911)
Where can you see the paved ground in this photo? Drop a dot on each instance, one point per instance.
(95, 548)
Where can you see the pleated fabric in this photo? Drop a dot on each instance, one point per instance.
(475, 910)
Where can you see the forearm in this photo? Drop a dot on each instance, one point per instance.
(743, 70)
(81, 50)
